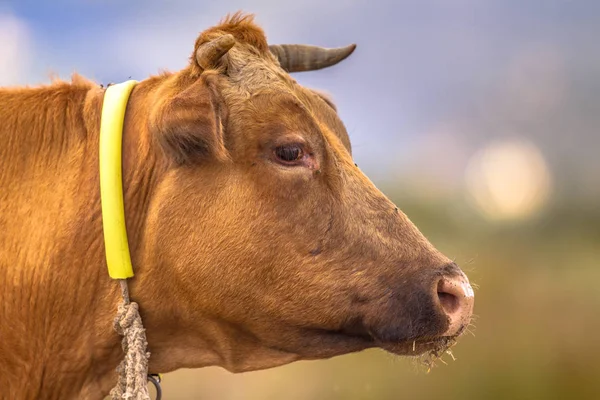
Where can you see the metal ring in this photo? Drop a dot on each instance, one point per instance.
(155, 380)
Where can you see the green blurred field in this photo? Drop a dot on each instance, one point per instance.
(536, 335)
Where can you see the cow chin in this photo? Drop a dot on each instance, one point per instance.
(318, 344)
(397, 344)
(340, 342)
(418, 347)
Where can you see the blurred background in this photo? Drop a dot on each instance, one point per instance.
(479, 118)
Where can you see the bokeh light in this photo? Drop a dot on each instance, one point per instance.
(508, 179)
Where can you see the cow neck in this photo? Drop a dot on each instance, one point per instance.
(128, 323)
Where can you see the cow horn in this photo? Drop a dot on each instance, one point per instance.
(209, 53)
(302, 57)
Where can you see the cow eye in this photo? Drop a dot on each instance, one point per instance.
(289, 153)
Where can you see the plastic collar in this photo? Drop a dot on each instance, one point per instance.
(118, 258)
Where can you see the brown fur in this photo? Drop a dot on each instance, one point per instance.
(239, 261)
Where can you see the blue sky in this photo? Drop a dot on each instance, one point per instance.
(430, 82)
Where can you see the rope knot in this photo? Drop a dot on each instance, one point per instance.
(133, 370)
(126, 317)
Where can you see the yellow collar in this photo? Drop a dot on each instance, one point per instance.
(118, 258)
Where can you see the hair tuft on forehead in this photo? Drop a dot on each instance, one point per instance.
(243, 29)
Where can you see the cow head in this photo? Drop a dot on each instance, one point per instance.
(264, 242)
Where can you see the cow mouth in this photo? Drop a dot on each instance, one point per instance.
(431, 347)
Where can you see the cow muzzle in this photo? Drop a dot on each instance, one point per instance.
(421, 317)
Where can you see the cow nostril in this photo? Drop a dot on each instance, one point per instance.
(449, 302)
(456, 300)
(448, 294)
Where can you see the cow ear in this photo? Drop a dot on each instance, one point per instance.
(189, 125)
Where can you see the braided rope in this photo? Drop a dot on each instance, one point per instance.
(133, 370)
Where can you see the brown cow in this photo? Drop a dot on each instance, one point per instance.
(255, 239)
